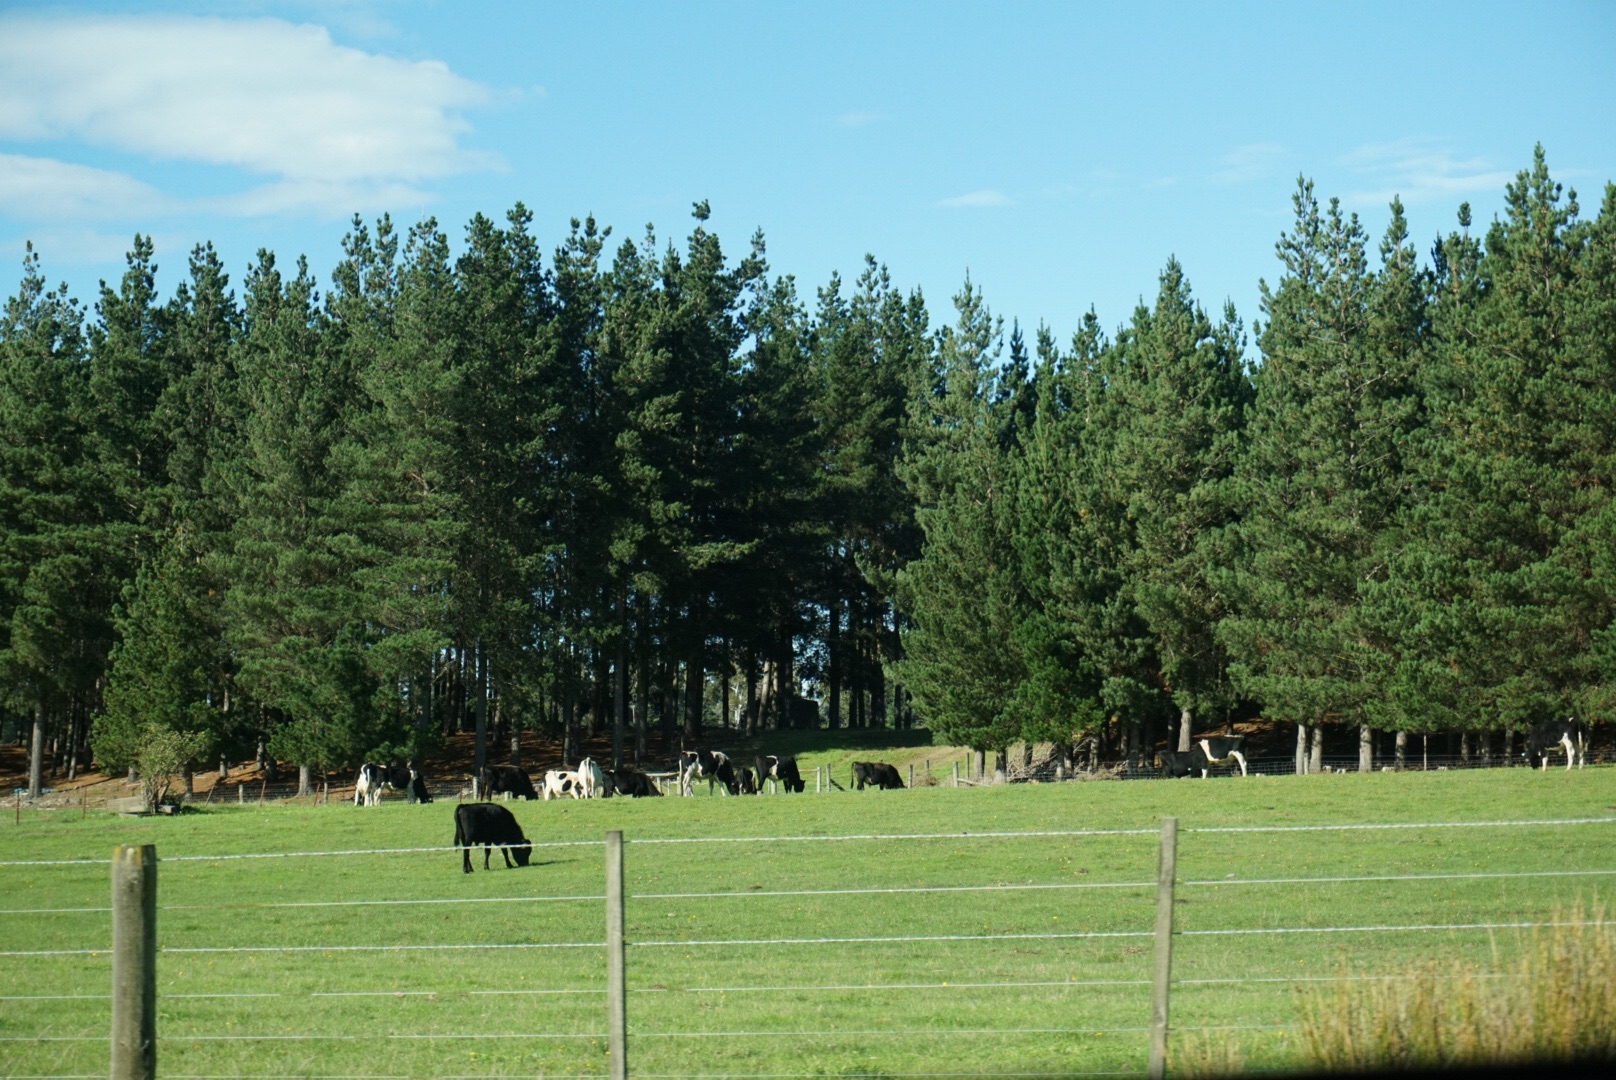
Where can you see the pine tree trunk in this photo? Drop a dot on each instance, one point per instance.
(481, 690)
(1366, 749)
(642, 714)
(724, 718)
(1402, 750)
(1001, 765)
(1186, 729)
(1316, 757)
(833, 644)
(305, 779)
(36, 754)
(569, 740)
(695, 676)
(620, 683)
(1301, 749)
(1464, 748)
(878, 686)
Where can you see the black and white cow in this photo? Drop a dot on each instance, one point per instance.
(632, 782)
(1178, 763)
(417, 791)
(707, 765)
(783, 769)
(559, 782)
(506, 780)
(372, 778)
(1568, 737)
(491, 826)
(878, 773)
(746, 780)
(1221, 750)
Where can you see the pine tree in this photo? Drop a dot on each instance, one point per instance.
(1321, 480)
(1177, 396)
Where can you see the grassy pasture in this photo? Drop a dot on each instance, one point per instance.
(985, 1002)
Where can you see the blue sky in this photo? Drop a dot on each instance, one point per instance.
(1059, 153)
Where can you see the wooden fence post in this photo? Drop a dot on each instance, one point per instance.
(616, 993)
(911, 775)
(956, 774)
(134, 962)
(1161, 981)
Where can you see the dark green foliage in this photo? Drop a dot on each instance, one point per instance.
(469, 489)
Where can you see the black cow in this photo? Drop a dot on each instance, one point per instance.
(490, 825)
(707, 765)
(783, 769)
(878, 773)
(1568, 737)
(1176, 763)
(372, 778)
(507, 780)
(632, 782)
(1220, 750)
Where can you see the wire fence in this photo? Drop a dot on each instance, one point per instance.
(881, 958)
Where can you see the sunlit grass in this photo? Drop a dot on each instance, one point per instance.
(354, 1003)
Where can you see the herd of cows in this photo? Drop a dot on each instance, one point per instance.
(488, 825)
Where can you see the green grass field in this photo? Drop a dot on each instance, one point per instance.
(989, 1002)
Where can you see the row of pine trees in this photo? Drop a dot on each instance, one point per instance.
(644, 490)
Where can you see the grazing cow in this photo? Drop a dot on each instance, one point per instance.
(559, 782)
(490, 826)
(1568, 737)
(1176, 763)
(372, 778)
(632, 782)
(783, 769)
(506, 780)
(746, 780)
(707, 765)
(1221, 750)
(592, 780)
(878, 773)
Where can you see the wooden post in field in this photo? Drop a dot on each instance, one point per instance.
(616, 994)
(956, 774)
(1161, 980)
(911, 775)
(134, 962)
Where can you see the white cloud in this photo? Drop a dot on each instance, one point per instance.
(1421, 171)
(1253, 161)
(261, 95)
(35, 188)
(985, 197)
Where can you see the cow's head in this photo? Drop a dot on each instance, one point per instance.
(522, 852)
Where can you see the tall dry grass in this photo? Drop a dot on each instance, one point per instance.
(1554, 1002)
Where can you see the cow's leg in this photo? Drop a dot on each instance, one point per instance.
(488, 849)
(505, 851)
(1241, 758)
(465, 858)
